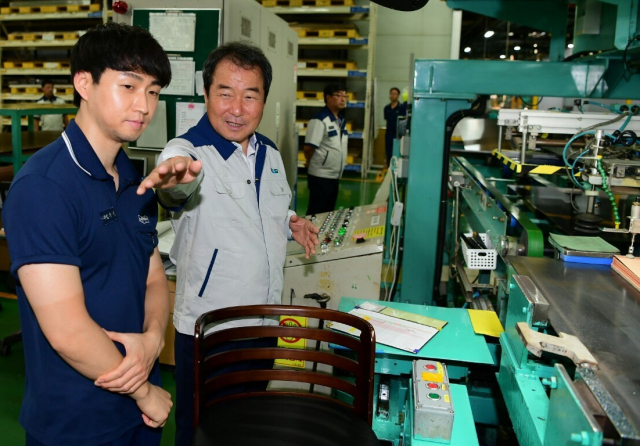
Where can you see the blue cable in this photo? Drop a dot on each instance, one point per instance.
(564, 154)
(608, 107)
(621, 129)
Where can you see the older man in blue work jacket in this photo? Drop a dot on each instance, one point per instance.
(226, 187)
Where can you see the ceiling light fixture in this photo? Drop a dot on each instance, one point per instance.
(488, 34)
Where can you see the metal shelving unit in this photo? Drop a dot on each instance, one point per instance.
(28, 48)
(366, 13)
(28, 44)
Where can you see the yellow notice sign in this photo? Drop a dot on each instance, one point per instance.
(485, 323)
(376, 231)
(292, 321)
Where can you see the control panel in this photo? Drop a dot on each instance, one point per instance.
(348, 260)
(345, 232)
(433, 409)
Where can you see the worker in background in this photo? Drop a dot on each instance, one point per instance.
(83, 247)
(55, 122)
(325, 149)
(226, 187)
(391, 113)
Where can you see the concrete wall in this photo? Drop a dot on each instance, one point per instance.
(425, 33)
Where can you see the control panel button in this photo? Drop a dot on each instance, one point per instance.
(434, 396)
(432, 385)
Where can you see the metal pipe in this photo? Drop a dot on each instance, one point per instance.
(523, 150)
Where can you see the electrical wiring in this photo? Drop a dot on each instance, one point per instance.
(394, 240)
(590, 131)
(605, 188)
(531, 105)
(600, 104)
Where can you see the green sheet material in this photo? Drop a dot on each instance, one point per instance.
(579, 243)
(455, 342)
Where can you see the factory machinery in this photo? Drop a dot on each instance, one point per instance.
(565, 369)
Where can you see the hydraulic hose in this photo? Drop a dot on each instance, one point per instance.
(478, 108)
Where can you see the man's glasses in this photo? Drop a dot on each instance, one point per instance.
(340, 95)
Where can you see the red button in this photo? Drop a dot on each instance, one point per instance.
(430, 367)
(432, 385)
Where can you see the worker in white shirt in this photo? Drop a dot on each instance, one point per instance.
(49, 122)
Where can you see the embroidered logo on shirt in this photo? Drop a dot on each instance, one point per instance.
(143, 219)
(274, 170)
(109, 216)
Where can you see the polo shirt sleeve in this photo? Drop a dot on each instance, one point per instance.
(315, 133)
(41, 224)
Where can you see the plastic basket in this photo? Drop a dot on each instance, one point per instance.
(480, 258)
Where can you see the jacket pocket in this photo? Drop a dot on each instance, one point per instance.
(235, 188)
(325, 158)
(206, 277)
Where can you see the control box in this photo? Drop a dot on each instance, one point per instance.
(348, 261)
(433, 409)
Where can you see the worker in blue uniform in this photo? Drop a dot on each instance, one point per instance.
(325, 150)
(391, 113)
(91, 286)
(227, 191)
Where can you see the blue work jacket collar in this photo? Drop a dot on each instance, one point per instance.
(86, 158)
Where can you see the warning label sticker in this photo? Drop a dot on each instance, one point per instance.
(292, 321)
(377, 231)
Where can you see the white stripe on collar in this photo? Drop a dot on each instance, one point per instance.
(73, 155)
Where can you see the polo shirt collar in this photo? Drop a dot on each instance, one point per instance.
(326, 112)
(86, 158)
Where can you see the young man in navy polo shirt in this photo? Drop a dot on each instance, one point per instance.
(83, 248)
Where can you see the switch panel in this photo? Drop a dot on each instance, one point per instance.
(433, 409)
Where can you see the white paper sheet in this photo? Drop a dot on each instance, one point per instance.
(174, 31)
(182, 78)
(199, 84)
(398, 333)
(187, 115)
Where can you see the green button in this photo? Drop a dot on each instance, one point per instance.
(434, 396)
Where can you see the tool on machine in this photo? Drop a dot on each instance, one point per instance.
(634, 225)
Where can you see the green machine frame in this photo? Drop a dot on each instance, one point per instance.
(442, 87)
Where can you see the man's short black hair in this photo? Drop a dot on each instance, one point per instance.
(396, 89)
(119, 47)
(332, 89)
(46, 82)
(245, 56)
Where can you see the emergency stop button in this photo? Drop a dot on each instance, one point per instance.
(430, 367)
(432, 385)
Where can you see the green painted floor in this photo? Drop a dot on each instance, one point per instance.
(353, 192)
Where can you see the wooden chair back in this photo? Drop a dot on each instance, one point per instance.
(353, 359)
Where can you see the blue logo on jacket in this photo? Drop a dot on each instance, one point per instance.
(274, 170)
